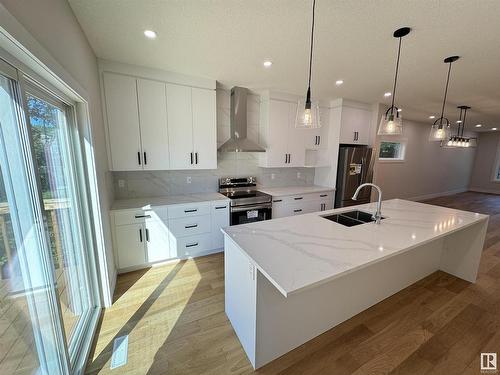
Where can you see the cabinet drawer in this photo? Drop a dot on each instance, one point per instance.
(183, 247)
(188, 210)
(188, 226)
(128, 217)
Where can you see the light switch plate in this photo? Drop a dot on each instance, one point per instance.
(121, 184)
(188, 179)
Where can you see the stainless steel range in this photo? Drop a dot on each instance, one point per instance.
(247, 203)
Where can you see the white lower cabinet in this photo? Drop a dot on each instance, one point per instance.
(302, 204)
(129, 239)
(143, 237)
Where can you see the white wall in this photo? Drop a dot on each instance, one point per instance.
(487, 152)
(53, 34)
(428, 170)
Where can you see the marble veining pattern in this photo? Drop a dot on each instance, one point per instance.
(300, 251)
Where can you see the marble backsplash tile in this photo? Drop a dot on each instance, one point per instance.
(159, 183)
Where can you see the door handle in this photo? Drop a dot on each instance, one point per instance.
(145, 158)
(191, 158)
(140, 235)
(139, 157)
(196, 157)
(147, 234)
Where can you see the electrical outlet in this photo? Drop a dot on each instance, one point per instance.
(121, 184)
(188, 179)
(273, 176)
(298, 175)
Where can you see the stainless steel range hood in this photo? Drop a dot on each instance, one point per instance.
(238, 125)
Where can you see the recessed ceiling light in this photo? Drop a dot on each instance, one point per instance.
(478, 125)
(400, 109)
(432, 117)
(267, 63)
(387, 94)
(150, 34)
(459, 121)
(493, 128)
(339, 82)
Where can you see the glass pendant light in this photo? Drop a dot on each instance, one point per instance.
(440, 130)
(392, 123)
(308, 111)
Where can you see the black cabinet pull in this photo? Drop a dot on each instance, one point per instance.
(319, 139)
(286, 158)
(192, 244)
(299, 210)
(278, 200)
(289, 158)
(145, 158)
(323, 195)
(147, 234)
(143, 216)
(190, 226)
(139, 157)
(196, 157)
(140, 235)
(191, 158)
(220, 207)
(298, 198)
(193, 210)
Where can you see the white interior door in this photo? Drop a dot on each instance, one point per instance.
(130, 241)
(204, 128)
(180, 126)
(123, 122)
(153, 124)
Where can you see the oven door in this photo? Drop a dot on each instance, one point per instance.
(250, 214)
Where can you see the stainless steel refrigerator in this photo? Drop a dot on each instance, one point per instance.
(355, 167)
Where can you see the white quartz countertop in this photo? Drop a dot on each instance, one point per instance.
(125, 204)
(299, 252)
(293, 190)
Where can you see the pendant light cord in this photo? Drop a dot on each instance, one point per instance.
(396, 77)
(311, 52)
(445, 94)
(463, 123)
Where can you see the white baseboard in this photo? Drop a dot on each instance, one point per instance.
(435, 195)
(488, 191)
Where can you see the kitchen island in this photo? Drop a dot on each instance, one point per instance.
(289, 280)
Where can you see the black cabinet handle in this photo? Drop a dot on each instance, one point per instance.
(140, 235)
(190, 226)
(286, 158)
(319, 139)
(220, 207)
(323, 195)
(289, 158)
(196, 157)
(145, 158)
(193, 210)
(143, 216)
(191, 158)
(278, 200)
(139, 157)
(299, 210)
(298, 198)
(147, 234)
(192, 244)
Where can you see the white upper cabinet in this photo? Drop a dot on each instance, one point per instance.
(276, 154)
(180, 126)
(296, 139)
(153, 124)
(204, 128)
(123, 122)
(158, 125)
(355, 125)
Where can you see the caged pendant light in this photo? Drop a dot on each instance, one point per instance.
(392, 123)
(440, 130)
(459, 140)
(307, 111)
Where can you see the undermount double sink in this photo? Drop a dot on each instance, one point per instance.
(351, 218)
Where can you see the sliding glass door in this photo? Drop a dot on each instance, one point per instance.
(48, 291)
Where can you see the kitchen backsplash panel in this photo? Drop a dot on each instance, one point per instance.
(158, 183)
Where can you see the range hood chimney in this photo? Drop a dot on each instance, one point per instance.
(238, 125)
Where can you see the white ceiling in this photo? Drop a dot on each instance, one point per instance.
(229, 39)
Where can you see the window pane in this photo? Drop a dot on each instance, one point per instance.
(390, 150)
(53, 159)
(29, 342)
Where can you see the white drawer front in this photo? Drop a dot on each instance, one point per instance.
(188, 226)
(183, 247)
(188, 210)
(127, 217)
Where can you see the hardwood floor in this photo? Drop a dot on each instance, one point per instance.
(174, 316)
